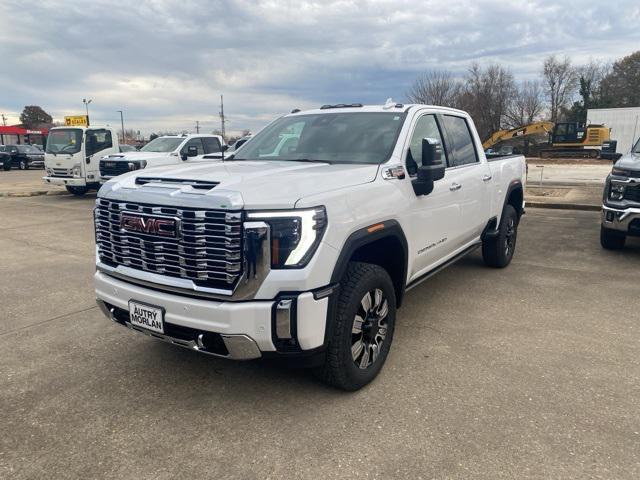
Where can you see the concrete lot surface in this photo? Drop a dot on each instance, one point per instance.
(528, 372)
(567, 174)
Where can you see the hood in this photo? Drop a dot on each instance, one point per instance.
(129, 156)
(630, 161)
(239, 184)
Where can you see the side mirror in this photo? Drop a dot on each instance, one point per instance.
(432, 167)
(192, 151)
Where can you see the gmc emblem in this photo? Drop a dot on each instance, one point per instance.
(160, 226)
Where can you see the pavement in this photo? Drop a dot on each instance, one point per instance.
(26, 183)
(528, 372)
(574, 174)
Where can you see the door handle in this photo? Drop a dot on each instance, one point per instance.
(486, 178)
(455, 186)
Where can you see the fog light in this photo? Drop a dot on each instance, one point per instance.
(609, 217)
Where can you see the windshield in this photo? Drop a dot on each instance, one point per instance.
(27, 149)
(362, 137)
(162, 144)
(67, 140)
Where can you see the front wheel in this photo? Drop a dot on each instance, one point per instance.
(23, 165)
(7, 166)
(363, 328)
(612, 239)
(498, 250)
(77, 191)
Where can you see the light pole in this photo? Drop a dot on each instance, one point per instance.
(122, 123)
(86, 104)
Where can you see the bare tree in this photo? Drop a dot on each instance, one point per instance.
(487, 96)
(526, 106)
(561, 81)
(438, 87)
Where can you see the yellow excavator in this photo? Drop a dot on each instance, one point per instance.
(565, 139)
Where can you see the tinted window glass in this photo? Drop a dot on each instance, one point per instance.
(341, 137)
(194, 142)
(98, 140)
(211, 145)
(459, 135)
(426, 127)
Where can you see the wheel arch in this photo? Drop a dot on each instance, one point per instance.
(515, 197)
(380, 244)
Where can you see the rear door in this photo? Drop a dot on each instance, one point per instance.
(470, 177)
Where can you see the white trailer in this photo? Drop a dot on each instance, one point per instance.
(623, 122)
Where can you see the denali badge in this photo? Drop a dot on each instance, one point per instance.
(161, 226)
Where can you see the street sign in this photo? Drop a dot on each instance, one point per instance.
(76, 121)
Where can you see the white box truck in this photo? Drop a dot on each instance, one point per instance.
(73, 154)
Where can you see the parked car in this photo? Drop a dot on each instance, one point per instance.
(621, 201)
(166, 150)
(23, 156)
(305, 254)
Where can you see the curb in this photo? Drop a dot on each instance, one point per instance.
(565, 206)
(35, 193)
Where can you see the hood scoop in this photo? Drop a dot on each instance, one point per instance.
(196, 184)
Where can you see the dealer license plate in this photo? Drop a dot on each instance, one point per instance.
(146, 316)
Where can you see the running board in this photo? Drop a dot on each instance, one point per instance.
(449, 262)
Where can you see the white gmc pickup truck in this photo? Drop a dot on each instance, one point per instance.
(307, 253)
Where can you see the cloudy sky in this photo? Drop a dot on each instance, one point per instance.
(166, 62)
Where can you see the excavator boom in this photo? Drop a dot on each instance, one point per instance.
(535, 128)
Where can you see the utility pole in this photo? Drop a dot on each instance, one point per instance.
(222, 120)
(124, 138)
(4, 120)
(197, 126)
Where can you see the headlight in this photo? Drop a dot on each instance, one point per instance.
(295, 235)
(137, 165)
(76, 171)
(620, 172)
(616, 191)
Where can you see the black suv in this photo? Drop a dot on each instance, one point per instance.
(22, 157)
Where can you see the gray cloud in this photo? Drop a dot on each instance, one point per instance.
(166, 62)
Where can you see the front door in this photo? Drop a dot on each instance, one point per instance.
(432, 221)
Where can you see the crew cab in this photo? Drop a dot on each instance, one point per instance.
(72, 155)
(308, 253)
(621, 201)
(165, 150)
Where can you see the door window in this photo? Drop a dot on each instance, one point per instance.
(426, 127)
(98, 140)
(211, 145)
(194, 142)
(462, 146)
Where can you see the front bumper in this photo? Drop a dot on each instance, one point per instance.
(625, 220)
(288, 324)
(71, 181)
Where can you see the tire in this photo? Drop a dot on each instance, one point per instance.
(497, 251)
(7, 166)
(612, 239)
(23, 165)
(77, 191)
(367, 323)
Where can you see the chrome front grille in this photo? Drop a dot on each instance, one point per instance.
(207, 251)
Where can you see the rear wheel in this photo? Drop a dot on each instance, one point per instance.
(7, 165)
(77, 191)
(612, 239)
(23, 165)
(498, 250)
(363, 328)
